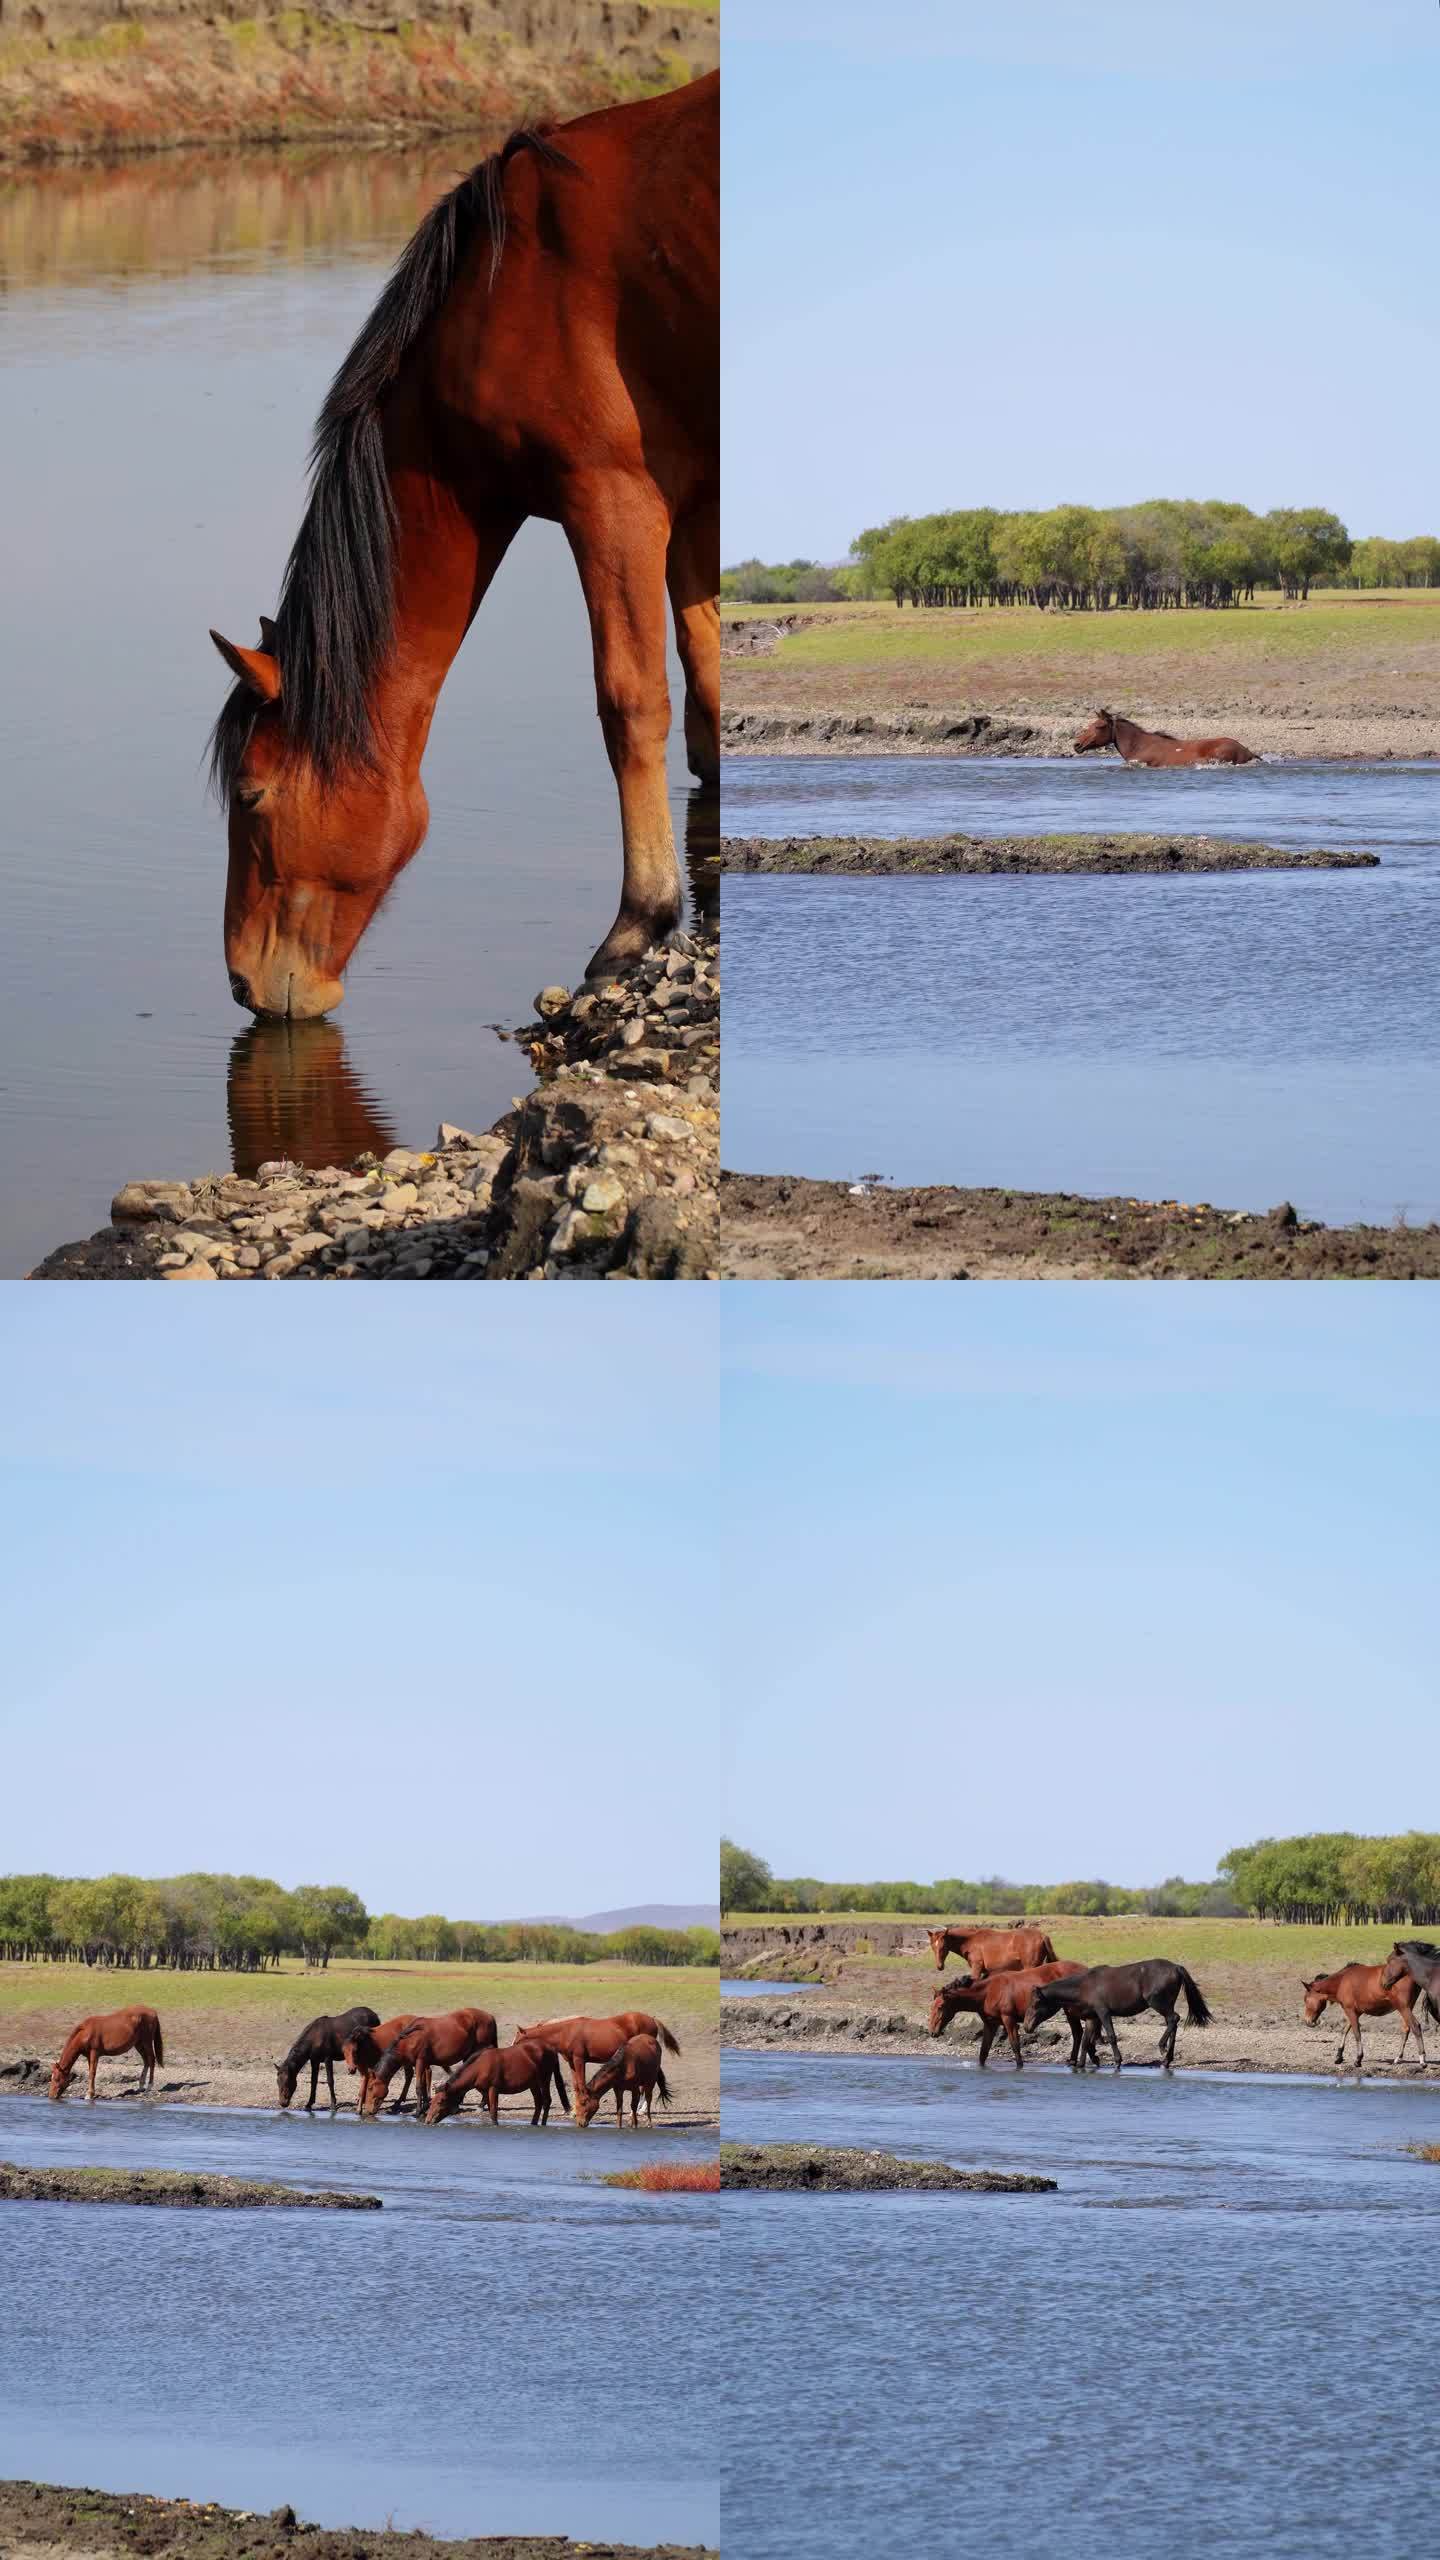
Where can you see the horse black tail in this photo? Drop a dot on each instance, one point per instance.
(666, 2037)
(159, 2043)
(663, 2087)
(561, 2091)
(1196, 2009)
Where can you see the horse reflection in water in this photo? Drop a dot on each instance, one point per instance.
(293, 1093)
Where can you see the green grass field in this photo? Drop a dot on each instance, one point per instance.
(1302, 1951)
(277, 2002)
(883, 637)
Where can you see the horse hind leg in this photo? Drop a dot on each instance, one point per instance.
(692, 575)
(619, 534)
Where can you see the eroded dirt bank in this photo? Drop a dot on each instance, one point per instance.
(174, 2187)
(787, 1227)
(808, 2168)
(88, 78)
(41, 2523)
(881, 856)
(607, 1169)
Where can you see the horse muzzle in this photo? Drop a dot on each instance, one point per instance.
(286, 987)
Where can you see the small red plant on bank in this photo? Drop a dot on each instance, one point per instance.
(671, 2178)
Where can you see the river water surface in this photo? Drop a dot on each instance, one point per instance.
(508, 2347)
(1184, 2350)
(170, 328)
(1238, 1038)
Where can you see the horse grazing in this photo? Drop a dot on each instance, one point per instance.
(1111, 1991)
(636, 2068)
(991, 1950)
(503, 2070)
(322, 2042)
(448, 2039)
(1000, 2000)
(1157, 746)
(121, 2031)
(583, 2040)
(1362, 1991)
(548, 345)
(364, 2048)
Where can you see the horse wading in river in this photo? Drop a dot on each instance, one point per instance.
(1111, 1991)
(991, 1950)
(448, 2039)
(321, 2044)
(506, 2070)
(1156, 746)
(120, 2031)
(636, 2068)
(548, 345)
(583, 2040)
(364, 2048)
(1000, 2000)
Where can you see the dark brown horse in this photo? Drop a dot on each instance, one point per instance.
(991, 1950)
(583, 2040)
(1156, 746)
(1111, 1991)
(446, 2040)
(1363, 1991)
(1420, 1958)
(363, 2050)
(1000, 2000)
(321, 2044)
(636, 2068)
(120, 2031)
(547, 346)
(503, 2071)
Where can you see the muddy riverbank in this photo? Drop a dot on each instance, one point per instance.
(42, 2523)
(809, 2168)
(174, 2187)
(1343, 736)
(878, 856)
(786, 1227)
(82, 79)
(606, 1170)
(1255, 2026)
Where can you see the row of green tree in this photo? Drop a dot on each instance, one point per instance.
(1319, 1878)
(747, 1884)
(245, 1924)
(1168, 552)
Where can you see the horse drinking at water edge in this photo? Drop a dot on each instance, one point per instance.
(119, 2031)
(1156, 746)
(509, 2070)
(1111, 1991)
(548, 345)
(583, 2040)
(322, 2043)
(636, 2068)
(448, 2039)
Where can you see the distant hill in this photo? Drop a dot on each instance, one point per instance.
(641, 1915)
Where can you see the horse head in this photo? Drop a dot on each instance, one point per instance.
(287, 2081)
(1317, 2000)
(60, 2080)
(1394, 1970)
(1100, 733)
(314, 845)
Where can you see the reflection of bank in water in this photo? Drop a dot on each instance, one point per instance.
(292, 1092)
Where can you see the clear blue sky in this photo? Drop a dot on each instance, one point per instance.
(390, 1588)
(1067, 1581)
(1049, 251)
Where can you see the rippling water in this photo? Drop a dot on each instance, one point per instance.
(1242, 1039)
(507, 2347)
(169, 333)
(1171, 2355)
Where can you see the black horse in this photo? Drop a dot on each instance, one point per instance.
(1420, 1958)
(1111, 1991)
(322, 2041)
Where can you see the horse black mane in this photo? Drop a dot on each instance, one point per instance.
(334, 620)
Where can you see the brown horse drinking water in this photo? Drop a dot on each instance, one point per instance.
(636, 2068)
(321, 2044)
(1368, 1991)
(547, 346)
(583, 2040)
(1156, 746)
(991, 1950)
(507, 2070)
(1000, 2000)
(1111, 1991)
(121, 2031)
(446, 2040)
(363, 2049)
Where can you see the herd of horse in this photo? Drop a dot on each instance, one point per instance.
(464, 2043)
(1016, 1983)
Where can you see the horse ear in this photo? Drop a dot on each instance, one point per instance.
(255, 667)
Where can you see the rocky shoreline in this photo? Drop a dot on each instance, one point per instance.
(883, 856)
(607, 1170)
(164, 2187)
(789, 1227)
(808, 2168)
(38, 2522)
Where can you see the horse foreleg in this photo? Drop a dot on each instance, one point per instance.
(692, 575)
(405, 2091)
(1013, 2032)
(619, 532)
(94, 2067)
(314, 2085)
(330, 2083)
(1107, 2029)
(989, 2029)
